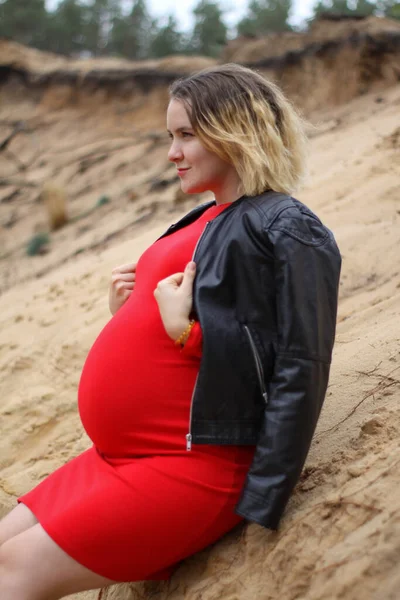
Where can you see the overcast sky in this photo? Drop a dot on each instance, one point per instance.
(235, 9)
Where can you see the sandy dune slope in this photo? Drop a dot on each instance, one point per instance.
(340, 537)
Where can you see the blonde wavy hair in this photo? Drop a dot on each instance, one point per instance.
(248, 122)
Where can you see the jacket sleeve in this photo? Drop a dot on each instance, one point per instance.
(306, 272)
(194, 343)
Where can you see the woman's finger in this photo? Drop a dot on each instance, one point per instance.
(188, 277)
(128, 268)
(174, 280)
(123, 277)
(124, 285)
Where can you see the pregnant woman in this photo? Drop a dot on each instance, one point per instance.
(202, 393)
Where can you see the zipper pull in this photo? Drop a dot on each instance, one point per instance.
(265, 396)
(189, 442)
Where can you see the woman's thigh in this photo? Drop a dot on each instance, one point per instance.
(33, 560)
(18, 520)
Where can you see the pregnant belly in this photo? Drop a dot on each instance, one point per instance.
(136, 406)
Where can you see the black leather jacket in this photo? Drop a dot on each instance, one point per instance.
(265, 294)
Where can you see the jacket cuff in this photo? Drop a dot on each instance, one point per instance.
(255, 508)
(194, 344)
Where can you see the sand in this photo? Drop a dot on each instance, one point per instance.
(340, 537)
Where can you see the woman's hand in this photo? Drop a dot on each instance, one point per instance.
(122, 283)
(174, 296)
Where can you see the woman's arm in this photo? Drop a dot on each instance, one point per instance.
(306, 282)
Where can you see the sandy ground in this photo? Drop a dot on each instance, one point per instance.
(340, 537)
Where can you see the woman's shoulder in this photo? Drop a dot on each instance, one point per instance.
(281, 216)
(268, 205)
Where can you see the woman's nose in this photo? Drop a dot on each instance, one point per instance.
(175, 153)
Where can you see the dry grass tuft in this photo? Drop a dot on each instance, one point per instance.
(55, 201)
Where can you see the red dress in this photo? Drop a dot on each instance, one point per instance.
(137, 502)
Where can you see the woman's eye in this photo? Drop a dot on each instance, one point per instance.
(184, 134)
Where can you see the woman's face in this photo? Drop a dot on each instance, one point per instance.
(199, 169)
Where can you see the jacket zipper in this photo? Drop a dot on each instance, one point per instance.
(189, 434)
(259, 367)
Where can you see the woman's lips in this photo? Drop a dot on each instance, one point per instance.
(182, 171)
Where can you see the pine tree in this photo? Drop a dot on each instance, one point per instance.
(167, 40)
(363, 7)
(265, 16)
(100, 16)
(25, 22)
(210, 32)
(66, 31)
(390, 8)
(118, 33)
(343, 7)
(131, 35)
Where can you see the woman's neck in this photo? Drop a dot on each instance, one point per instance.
(229, 190)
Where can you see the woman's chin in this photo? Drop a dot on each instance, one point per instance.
(187, 189)
(191, 189)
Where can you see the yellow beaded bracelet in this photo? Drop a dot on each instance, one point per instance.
(182, 339)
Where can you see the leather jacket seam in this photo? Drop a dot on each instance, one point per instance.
(259, 498)
(293, 234)
(271, 221)
(257, 208)
(296, 354)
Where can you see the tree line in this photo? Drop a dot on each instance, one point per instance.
(106, 27)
